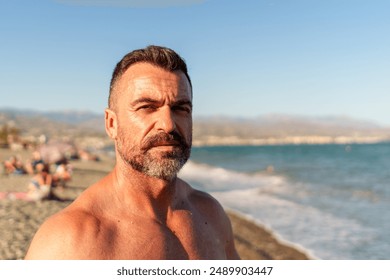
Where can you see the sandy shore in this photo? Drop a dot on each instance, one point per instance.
(19, 220)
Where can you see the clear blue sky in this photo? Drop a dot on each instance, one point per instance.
(246, 58)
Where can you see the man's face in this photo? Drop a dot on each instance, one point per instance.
(154, 120)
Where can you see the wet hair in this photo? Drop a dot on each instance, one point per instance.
(159, 56)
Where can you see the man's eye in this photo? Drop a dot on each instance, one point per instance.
(182, 109)
(147, 108)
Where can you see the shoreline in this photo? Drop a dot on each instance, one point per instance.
(316, 140)
(266, 239)
(19, 220)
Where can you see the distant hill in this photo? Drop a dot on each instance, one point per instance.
(53, 122)
(282, 129)
(266, 129)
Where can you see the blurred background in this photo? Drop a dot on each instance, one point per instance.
(291, 119)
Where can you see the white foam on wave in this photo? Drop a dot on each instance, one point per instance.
(263, 197)
(211, 178)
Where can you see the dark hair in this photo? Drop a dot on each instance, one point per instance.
(159, 56)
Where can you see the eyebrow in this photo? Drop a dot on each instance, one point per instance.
(182, 102)
(144, 100)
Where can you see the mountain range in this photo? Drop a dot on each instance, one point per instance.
(265, 129)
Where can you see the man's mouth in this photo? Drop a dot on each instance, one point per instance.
(166, 144)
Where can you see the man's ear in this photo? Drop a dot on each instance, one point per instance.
(111, 123)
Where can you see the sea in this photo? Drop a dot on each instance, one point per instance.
(331, 201)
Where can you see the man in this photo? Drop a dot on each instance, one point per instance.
(141, 210)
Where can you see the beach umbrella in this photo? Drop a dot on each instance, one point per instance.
(56, 151)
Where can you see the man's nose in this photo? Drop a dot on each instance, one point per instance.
(166, 121)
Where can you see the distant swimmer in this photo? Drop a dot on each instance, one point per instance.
(142, 210)
(270, 168)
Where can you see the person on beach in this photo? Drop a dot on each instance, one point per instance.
(39, 187)
(31, 165)
(14, 165)
(62, 174)
(142, 210)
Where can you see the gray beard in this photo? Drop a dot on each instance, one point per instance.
(165, 168)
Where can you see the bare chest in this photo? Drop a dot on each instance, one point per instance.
(183, 237)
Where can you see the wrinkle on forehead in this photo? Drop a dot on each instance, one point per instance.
(145, 76)
(158, 87)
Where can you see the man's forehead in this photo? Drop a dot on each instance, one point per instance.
(147, 78)
(151, 80)
(145, 71)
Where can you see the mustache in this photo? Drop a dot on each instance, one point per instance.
(164, 138)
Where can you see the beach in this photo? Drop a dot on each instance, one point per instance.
(19, 220)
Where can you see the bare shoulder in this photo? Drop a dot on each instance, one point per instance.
(210, 209)
(206, 202)
(64, 235)
(74, 232)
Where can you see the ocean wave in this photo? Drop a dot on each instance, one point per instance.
(271, 200)
(213, 178)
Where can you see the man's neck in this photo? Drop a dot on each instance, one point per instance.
(144, 194)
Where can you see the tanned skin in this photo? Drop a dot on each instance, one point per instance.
(132, 215)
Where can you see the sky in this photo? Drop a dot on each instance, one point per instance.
(245, 58)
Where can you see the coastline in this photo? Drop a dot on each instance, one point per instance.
(290, 140)
(19, 220)
(254, 241)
